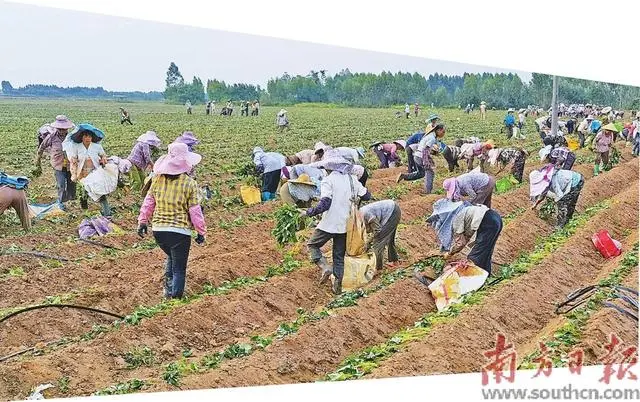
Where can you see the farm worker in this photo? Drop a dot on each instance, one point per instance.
(388, 153)
(140, 157)
(353, 155)
(319, 150)
(475, 185)
(509, 122)
(412, 145)
(603, 144)
(269, 165)
(561, 157)
(281, 120)
(407, 110)
(188, 106)
(85, 155)
(521, 118)
(483, 110)
(571, 125)
(381, 219)
(432, 121)
(456, 223)
(514, 156)
(301, 190)
(423, 159)
(53, 142)
(172, 206)
(16, 198)
(255, 110)
(635, 136)
(303, 157)
(208, 108)
(44, 131)
(470, 151)
(451, 153)
(563, 186)
(416, 109)
(124, 116)
(245, 109)
(337, 191)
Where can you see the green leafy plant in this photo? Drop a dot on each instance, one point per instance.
(140, 356)
(63, 384)
(128, 387)
(288, 222)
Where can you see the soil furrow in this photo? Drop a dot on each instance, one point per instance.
(529, 300)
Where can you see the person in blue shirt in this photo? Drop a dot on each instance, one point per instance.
(413, 139)
(509, 122)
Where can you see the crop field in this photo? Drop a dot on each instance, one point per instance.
(253, 312)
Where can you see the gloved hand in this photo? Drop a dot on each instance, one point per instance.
(303, 213)
(200, 239)
(142, 229)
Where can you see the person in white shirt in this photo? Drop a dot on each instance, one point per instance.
(407, 110)
(583, 129)
(337, 191)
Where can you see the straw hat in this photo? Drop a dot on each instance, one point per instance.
(611, 127)
(374, 144)
(432, 117)
(510, 110)
(62, 122)
(606, 109)
(303, 179)
(179, 160)
(360, 151)
(590, 117)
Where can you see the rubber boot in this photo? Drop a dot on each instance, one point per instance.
(326, 269)
(265, 196)
(84, 203)
(400, 177)
(106, 208)
(337, 287)
(596, 170)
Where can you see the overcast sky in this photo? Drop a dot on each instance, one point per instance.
(68, 48)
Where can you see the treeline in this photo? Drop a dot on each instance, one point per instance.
(53, 91)
(500, 91)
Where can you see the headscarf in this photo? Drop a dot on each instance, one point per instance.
(441, 219)
(451, 187)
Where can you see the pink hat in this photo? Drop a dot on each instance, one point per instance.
(179, 160)
(188, 138)
(62, 122)
(450, 185)
(150, 138)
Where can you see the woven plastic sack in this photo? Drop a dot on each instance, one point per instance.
(457, 279)
(356, 229)
(250, 195)
(358, 271)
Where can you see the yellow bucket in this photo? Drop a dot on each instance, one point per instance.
(250, 195)
(573, 144)
(358, 271)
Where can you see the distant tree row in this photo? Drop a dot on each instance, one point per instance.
(366, 89)
(53, 91)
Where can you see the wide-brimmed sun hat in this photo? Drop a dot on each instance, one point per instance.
(360, 151)
(375, 144)
(303, 179)
(606, 109)
(178, 160)
(150, 138)
(85, 128)
(611, 127)
(188, 138)
(402, 143)
(483, 103)
(432, 117)
(46, 129)
(590, 117)
(510, 110)
(62, 122)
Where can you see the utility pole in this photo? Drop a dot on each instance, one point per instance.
(554, 106)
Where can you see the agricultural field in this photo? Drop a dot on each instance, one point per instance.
(254, 313)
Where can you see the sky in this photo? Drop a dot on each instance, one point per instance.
(68, 48)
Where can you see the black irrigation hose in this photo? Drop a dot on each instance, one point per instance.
(30, 308)
(622, 310)
(36, 254)
(573, 296)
